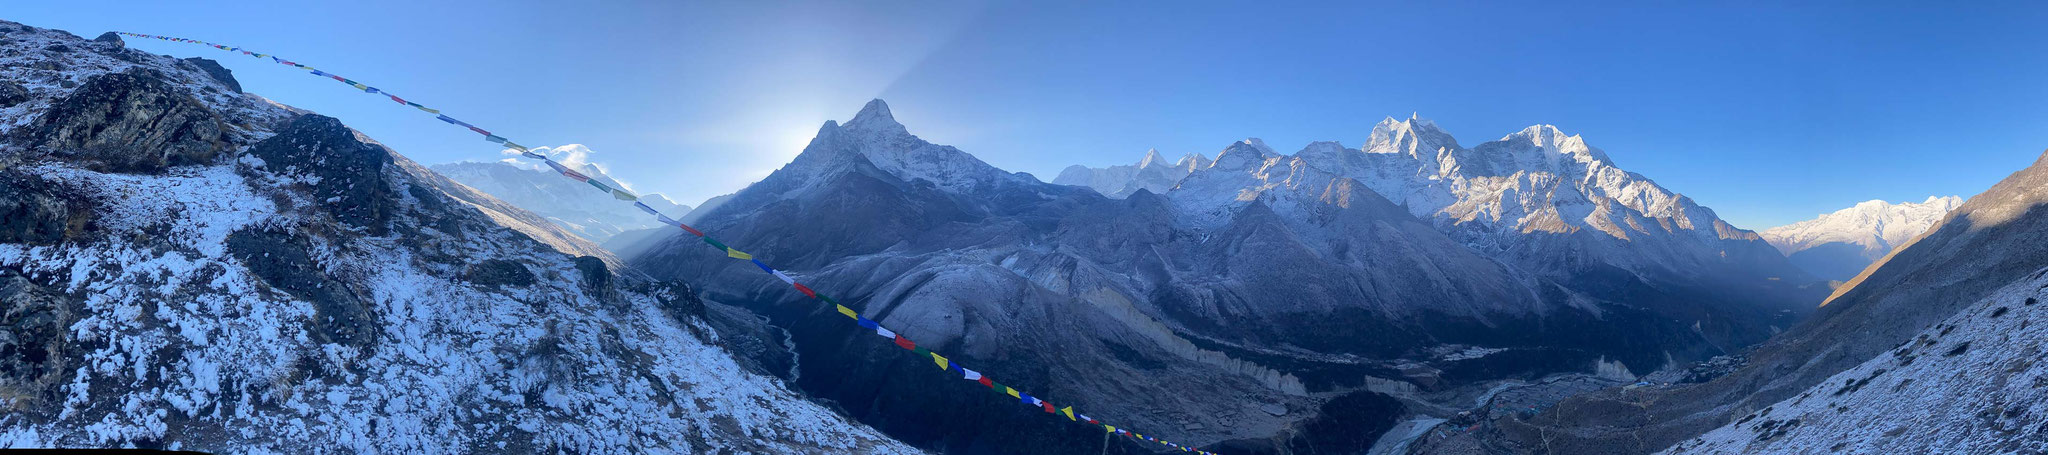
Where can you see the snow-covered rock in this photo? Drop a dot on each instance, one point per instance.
(570, 204)
(285, 285)
(1837, 245)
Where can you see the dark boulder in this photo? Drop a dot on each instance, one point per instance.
(130, 122)
(597, 278)
(12, 94)
(500, 272)
(36, 211)
(351, 182)
(110, 38)
(215, 71)
(38, 354)
(281, 259)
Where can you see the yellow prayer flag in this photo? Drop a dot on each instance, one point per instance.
(736, 254)
(941, 360)
(1069, 412)
(1013, 392)
(1109, 428)
(623, 196)
(429, 110)
(847, 311)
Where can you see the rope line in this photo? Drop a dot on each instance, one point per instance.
(943, 363)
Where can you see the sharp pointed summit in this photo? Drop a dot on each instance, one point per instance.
(875, 116)
(1152, 158)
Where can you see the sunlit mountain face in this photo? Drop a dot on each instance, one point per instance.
(1282, 279)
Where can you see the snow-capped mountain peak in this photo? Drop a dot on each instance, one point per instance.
(874, 136)
(1413, 137)
(1242, 155)
(1192, 161)
(1493, 195)
(875, 116)
(1547, 138)
(1151, 173)
(1152, 158)
(1837, 245)
(574, 206)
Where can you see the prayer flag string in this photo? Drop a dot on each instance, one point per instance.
(945, 364)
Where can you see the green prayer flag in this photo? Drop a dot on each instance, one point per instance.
(600, 186)
(920, 351)
(827, 299)
(715, 243)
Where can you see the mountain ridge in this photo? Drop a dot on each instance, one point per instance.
(1839, 244)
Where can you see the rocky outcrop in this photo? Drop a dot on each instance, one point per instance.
(12, 94)
(215, 71)
(37, 211)
(345, 171)
(130, 122)
(110, 38)
(37, 348)
(500, 272)
(283, 262)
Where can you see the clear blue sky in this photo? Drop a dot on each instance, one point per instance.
(1769, 114)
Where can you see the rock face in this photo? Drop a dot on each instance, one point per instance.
(349, 169)
(313, 291)
(105, 122)
(12, 94)
(39, 212)
(1990, 242)
(1839, 245)
(215, 71)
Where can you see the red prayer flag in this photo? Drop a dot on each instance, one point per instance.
(574, 175)
(693, 231)
(480, 131)
(905, 343)
(985, 382)
(1048, 406)
(807, 291)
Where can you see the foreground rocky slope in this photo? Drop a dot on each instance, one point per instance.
(1990, 242)
(1973, 383)
(186, 266)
